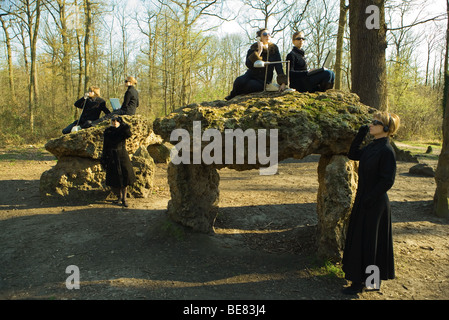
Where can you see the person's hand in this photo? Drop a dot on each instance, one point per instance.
(86, 95)
(364, 129)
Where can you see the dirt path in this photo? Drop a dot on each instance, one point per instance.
(263, 248)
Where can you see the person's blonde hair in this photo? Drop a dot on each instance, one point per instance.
(132, 80)
(391, 121)
(95, 90)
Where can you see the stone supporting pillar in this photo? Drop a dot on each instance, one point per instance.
(194, 195)
(337, 176)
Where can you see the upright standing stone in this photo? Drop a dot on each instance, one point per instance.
(337, 176)
(194, 195)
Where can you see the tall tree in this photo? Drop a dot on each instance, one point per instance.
(87, 34)
(5, 26)
(268, 10)
(61, 15)
(368, 45)
(28, 14)
(187, 14)
(441, 198)
(340, 37)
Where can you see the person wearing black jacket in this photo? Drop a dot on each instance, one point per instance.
(299, 78)
(369, 236)
(131, 99)
(130, 102)
(91, 105)
(115, 158)
(253, 79)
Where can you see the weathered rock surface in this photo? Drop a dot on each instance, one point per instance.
(160, 152)
(337, 176)
(307, 123)
(422, 169)
(78, 173)
(88, 143)
(194, 195)
(323, 123)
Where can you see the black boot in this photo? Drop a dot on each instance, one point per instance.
(353, 289)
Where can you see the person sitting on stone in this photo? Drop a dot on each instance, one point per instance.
(130, 101)
(131, 98)
(299, 78)
(91, 106)
(254, 78)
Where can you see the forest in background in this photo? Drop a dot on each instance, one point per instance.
(186, 51)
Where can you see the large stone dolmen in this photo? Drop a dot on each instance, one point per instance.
(293, 125)
(78, 173)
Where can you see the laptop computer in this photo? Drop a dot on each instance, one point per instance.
(326, 64)
(115, 103)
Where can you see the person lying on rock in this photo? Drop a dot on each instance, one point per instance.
(91, 106)
(369, 241)
(115, 158)
(254, 78)
(300, 80)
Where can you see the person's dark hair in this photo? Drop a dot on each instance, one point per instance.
(259, 32)
(117, 118)
(297, 33)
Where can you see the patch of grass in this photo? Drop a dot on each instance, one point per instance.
(327, 268)
(423, 144)
(333, 270)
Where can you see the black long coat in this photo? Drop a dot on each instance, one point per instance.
(115, 158)
(369, 237)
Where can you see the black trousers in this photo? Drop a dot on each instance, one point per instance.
(246, 84)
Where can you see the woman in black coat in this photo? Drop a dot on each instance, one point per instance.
(92, 105)
(369, 236)
(253, 79)
(131, 99)
(300, 80)
(115, 158)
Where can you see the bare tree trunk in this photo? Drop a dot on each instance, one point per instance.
(340, 37)
(33, 28)
(88, 14)
(441, 198)
(369, 71)
(80, 71)
(10, 65)
(66, 50)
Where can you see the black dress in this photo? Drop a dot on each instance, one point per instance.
(115, 158)
(369, 237)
